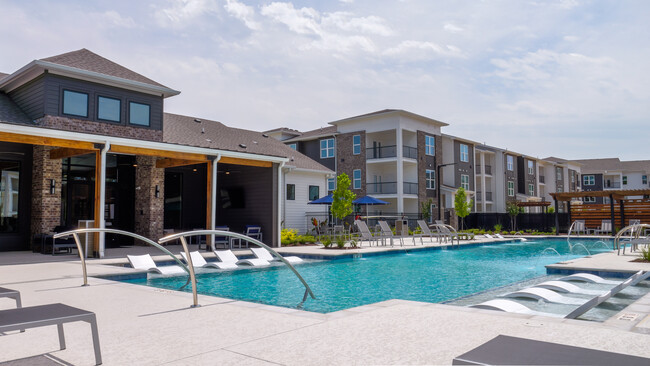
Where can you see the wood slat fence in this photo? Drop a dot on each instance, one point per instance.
(594, 214)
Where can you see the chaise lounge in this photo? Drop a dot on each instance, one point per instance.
(199, 262)
(228, 257)
(145, 263)
(264, 254)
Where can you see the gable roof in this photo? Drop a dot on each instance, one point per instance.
(314, 134)
(186, 130)
(84, 59)
(391, 111)
(600, 164)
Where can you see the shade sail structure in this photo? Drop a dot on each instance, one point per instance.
(327, 200)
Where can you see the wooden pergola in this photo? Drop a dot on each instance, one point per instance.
(640, 207)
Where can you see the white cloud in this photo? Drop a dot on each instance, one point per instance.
(417, 50)
(301, 21)
(452, 28)
(368, 25)
(181, 13)
(242, 12)
(117, 20)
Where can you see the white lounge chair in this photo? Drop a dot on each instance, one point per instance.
(566, 287)
(605, 227)
(488, 236)
(227, 256)
(588, 277)
(264, 254)
(538, 293)
(499, 236)
(511, 307)
(146, 263)
(199, 262)
(365, 233)
(386, 232)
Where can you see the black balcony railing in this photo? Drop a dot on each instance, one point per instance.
(479, 196)
(380, 152)
(381, 188)
(410, 152)
(609, 184)
(488, 169)
(410, 188)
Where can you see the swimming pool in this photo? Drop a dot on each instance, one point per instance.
(432, 275)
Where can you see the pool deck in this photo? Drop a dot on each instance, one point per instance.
(147, 326)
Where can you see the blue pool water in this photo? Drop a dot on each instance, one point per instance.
(426, 275)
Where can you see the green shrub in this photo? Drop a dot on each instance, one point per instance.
(645, 253)
(306, 239)
(288, 236)
(353, 243)
(497, 228)
(340, 242)
(327, 242)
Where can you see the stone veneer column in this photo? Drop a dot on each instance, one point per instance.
(149, 209)
(46, 207)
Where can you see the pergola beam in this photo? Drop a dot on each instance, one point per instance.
(171, 163)
(45, 141)
(247, 162)
(120, 149)
(68, 152)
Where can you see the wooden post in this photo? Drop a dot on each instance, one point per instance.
(621, 206)
(613, 217)
(557, 219)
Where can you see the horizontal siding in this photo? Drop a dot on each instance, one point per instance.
(53, 100)
(30, 98)
(294, 211)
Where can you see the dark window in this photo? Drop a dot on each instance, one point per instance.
(75, 103)
(313, 193)
(9, 192)
(291, 192)
(139, 114)
(108, 109)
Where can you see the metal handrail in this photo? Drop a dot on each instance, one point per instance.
(182, 236)
(75, 234)
(635, 232)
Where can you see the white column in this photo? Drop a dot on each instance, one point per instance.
(213, 200)
(400, 170)
(280, 204)
(483, 187)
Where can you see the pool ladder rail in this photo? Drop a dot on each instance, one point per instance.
(182, 237)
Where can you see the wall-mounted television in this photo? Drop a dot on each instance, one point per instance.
(232, 197)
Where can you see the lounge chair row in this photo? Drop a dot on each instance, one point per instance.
(549, 292)
(227, 260)
(441, 232)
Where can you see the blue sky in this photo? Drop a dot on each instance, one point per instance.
(567, 78)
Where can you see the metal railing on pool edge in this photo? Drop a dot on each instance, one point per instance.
(75, 235)
(183, 235)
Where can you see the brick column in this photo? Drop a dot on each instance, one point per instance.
(46, 207)
(149, 209)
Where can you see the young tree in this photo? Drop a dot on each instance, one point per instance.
(462, 206)
(513, 210)
(425, 209)
(342, 197)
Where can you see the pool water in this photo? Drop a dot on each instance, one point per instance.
(421, 275)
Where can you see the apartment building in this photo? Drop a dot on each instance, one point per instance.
(613, 174)
(458, 168)
(390, 154)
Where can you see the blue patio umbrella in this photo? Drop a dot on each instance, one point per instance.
(327, 200)
(369, 201)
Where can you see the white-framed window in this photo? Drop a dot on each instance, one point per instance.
(464, 181)
(558, 173)
(531, 169)
(356, 144)
(314, 192)
(625, 180)
(531, 189)
(326, 148)
(331, 184)
(510, 164)
(464, 153)
(431, 179)
(356, 179)
(644, 179)
(605, 200)
(429, 145)
(293, 146)
(560, 189)
(511, 188)
(589, 199)
(573, 177)
(588, 180)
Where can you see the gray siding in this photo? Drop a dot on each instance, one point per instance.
(54, 85)
(511, 175)
(312, 149)
(30, 97)
(464, 168)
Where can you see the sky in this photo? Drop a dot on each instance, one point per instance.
(565, 78)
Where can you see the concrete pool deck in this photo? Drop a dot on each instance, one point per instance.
(148, 326)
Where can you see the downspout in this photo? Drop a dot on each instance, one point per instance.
(284, 207)
(213, 199)
(280, 206)
(102, 197)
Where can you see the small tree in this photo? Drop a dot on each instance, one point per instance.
(462, 206)
(425, 208)
(513, 210)
(342, 197)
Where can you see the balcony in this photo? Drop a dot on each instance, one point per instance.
(381, 188)
(383, 152)
(610, 184)
(488, 196)
(488, 169)
(542, 179)
(410, 188)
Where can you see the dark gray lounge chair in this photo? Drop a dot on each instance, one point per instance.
(51, 314)
(505, 350)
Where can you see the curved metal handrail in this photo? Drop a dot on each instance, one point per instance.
(635, 232)
(75, 234)
(182, 236)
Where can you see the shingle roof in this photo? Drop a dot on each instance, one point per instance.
(86, 60)
(10, 112)
(600, 164)
(2, 75)
(186, 130)
(385, 111)
(323, 131)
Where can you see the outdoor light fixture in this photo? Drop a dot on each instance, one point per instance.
(52, 186)
(157, 191)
